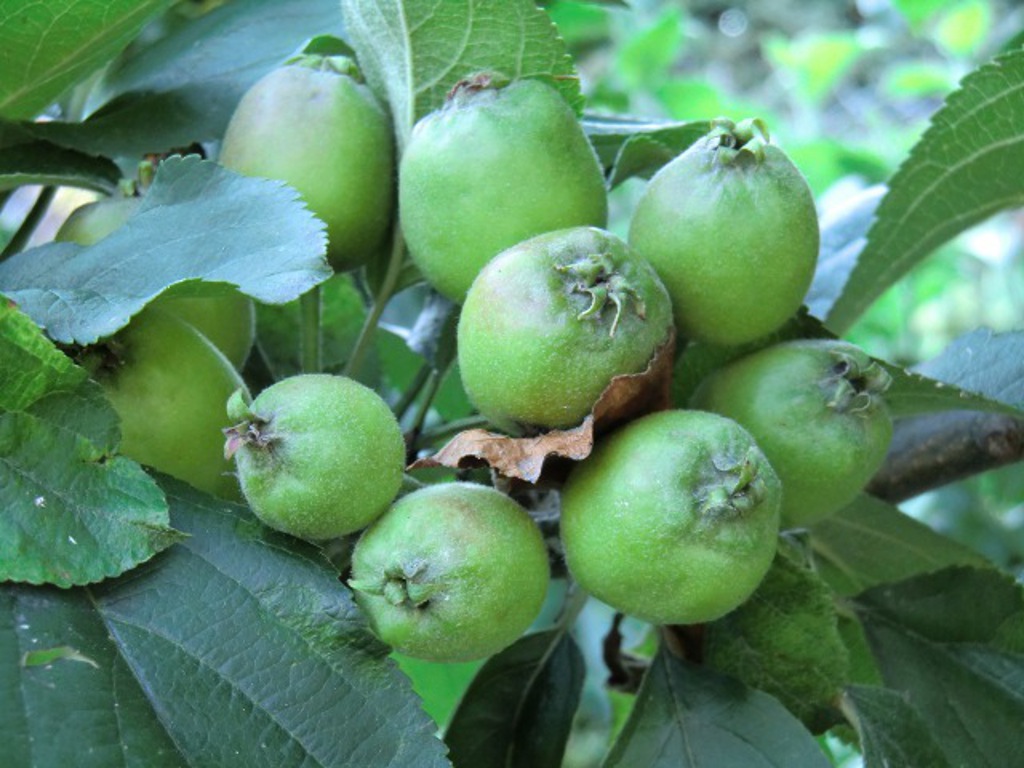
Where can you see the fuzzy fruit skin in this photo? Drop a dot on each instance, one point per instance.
(169, 389)
(823, 438)
(488, 170)
(330, 460)
(736, 243)
(526, 356)
(471, 557)
(228, 320)
(326, 135)
(659, 522)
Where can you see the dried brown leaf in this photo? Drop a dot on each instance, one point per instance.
(523, 458)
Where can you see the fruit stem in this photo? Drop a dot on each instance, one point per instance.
(412, 391)
(430, 392)
(310, 336)
(387, 288)
(445, 431)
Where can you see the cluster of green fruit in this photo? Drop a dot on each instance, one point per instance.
(501, 201)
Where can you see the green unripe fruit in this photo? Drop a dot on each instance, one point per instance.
(168, 384)
(312, 125)
(549, 322)
(731, 228)
(816, 408)
(318, 456)
(491, 168)
(452, 572)
(228, 320)
(673, 519)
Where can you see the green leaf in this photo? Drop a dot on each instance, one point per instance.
(630, 146)
(341, 317)
(918, 12)
(892, 734)
(32, 366)
(981, 371)
(965, 168)
(29, 161)
(932, 636)
(413, 51)
(198, 222)
(184, 86)
(50, 46)
(784, 640)
(844, 231)
(277, 660)
(688, 717)
(237, 647)
(871, 542)
(71, 513)
(83, 411)
(519, 708)
(990, 364)
(82, 707)
(649, 54)
(439, 686)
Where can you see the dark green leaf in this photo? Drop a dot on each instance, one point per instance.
(32, 366)
(83, 411)
(519, 708)
(71, 513)
(932, 637)
(198, 222)
(892, 734)
(184, 87)
(48, 47)
(690, 717)
(630, 146)
(965, 168)
(341, 317)
(784, 640)
(69, 699)
(253, 653)
(40, 162)
(239, 647)
(844, 233)
(413, 51)
(871, 542)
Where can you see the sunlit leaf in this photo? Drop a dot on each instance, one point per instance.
(966, 167)
(198, 222)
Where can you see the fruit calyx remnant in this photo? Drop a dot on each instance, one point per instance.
(595, 275)
(852, 386)
(741, 142)
(252, 433)
(734, 490)
(474, 84)
(402, 586)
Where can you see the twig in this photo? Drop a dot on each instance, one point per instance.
(930, 451)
